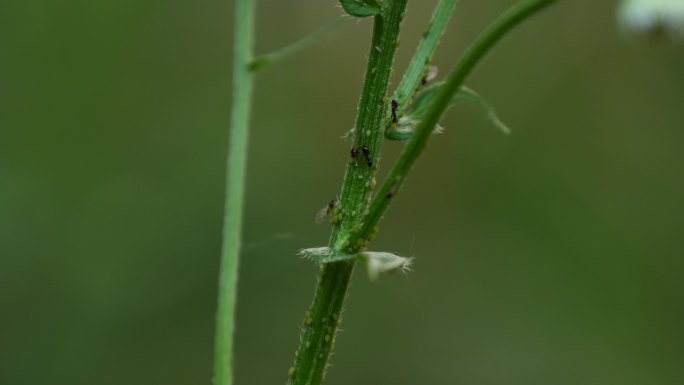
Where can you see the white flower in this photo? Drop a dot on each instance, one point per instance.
(652, 17)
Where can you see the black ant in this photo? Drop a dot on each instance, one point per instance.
(395, 106)
(367, 155)
(355, 154)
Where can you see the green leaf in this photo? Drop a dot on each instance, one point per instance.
(466, 94)
(402, 130)
(405, 125)
(423, 101)
(361, 8)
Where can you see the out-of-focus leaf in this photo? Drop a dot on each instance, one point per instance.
(466, 94)
(361, 8)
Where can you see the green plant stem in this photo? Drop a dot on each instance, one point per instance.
(323, 317)
(267, 59)
(420, 62)
(235, 189)
(416, 143)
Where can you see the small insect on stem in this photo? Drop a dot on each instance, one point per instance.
(354, 154)
(367, 156)
(430, 74)
(395, 106)
(392, 192)
(326, 211)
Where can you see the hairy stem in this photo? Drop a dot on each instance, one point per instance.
(323, 317)
(235, 189)
(416, 143)
(420, 62)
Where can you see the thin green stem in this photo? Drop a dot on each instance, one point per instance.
(235, 191)
(323, 317)
(267, 59)
(420, 63)
(416, 143)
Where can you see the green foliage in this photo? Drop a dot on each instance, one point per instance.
(415, 145)
(358, 214)
(361, 8)
(468, 95)
(419, 68)
(406, 124)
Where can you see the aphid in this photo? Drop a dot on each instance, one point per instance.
(367, 155)
(429, 75)
(392, 192)
(326, 211)
(395, 106)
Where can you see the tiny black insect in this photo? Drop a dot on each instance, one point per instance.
(354, 152)
(367, 155)
(392, 192)
(395, 105)
(326, 211)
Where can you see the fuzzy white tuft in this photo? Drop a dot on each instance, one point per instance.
(383, 262)
(651, 17)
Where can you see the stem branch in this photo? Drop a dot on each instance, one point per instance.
(420, 62)
(267, 59)
(419, 138)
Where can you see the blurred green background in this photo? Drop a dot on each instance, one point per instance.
(551, 256)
